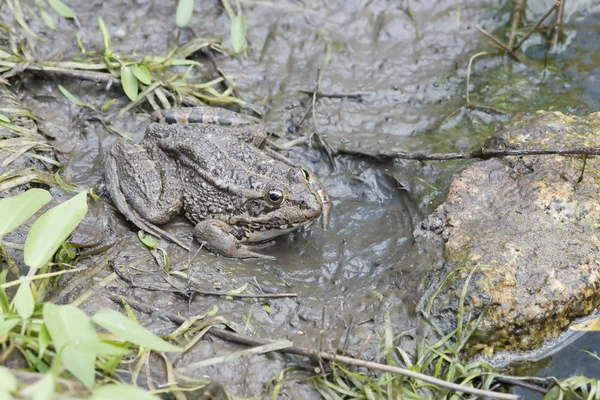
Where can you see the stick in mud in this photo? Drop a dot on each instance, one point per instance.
(319, 355)
(483, 153)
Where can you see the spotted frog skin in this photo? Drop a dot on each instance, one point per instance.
(216, 167)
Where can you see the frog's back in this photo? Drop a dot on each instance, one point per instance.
(223, 175)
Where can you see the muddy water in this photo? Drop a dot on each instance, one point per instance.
(408, 68)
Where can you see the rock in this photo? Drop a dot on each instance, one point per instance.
(528, 233)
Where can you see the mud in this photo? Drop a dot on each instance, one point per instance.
(409, 69)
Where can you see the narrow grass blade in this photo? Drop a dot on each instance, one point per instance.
(278, 345)
(62, 9)
(71, 97)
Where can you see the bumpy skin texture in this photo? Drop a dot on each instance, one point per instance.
(217, 175)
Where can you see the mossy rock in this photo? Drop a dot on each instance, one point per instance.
(528, 231)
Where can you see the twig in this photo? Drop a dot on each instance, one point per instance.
(469, 73)
(246, 296)
(305, 117)
(68, 390)
(83, 279)
(525, 385)
(314, 106)
(557, 24)
(320, 94)
(96, 77)
(482, 153)
(207, 51)
(364, 344)
(515, 21)
(314, 99)
(498, 42)
(17, 282)
(189, 291)
(487, 109)
(322, 332)
(301, 351)
(536, 25)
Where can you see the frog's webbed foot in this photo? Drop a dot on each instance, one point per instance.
(218, 237)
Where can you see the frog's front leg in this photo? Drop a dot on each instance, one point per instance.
(222, 238)
(144, 185)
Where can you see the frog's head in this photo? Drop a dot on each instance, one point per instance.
(284, 206)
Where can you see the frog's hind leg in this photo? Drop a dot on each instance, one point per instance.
(203, 115)
(219, 237)
(144, 187)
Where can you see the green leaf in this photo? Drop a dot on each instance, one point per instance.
(121, 392)
(62, 9)
(69, 326)
(213, 311)
(24, 301)
(8, 382)
(80, 44)
(74, 99)
(80, 363)
(4, 118)
(147, 240)
(105, 37)
(43, 389)
(17, 209)
(43, 341)
(239, 290)
(4, 305)
(120, 325)
(47, 19)
(142, 73)
(129, 82)
(238, 33)
(4, 54)
(102, 348)
(184, 12)
(107, 104)
(52, 229)
(7, 326)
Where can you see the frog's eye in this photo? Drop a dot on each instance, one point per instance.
(274, 196)
(305, 173)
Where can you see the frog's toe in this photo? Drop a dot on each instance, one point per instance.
(218, 236)
(243, 251)
(260, 246)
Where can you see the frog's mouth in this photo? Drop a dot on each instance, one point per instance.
(262, 234)
(273, 224)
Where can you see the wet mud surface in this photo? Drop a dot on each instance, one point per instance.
(409, 69)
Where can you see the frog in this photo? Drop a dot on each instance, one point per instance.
(219, 169)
